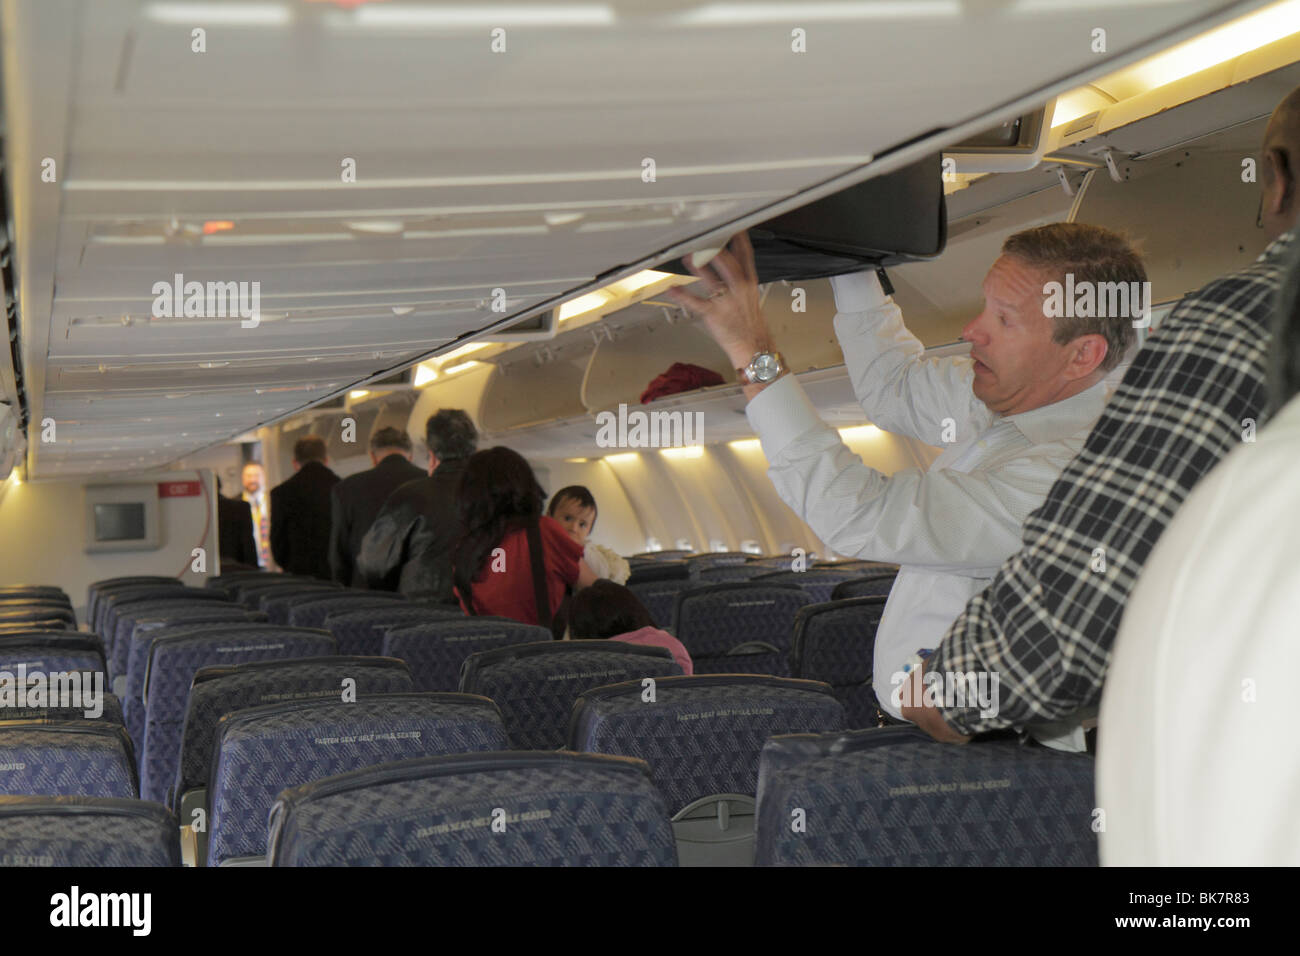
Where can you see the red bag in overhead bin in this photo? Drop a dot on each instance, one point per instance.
(680, 377)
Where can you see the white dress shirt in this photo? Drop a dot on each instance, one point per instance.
(1197, 759)
(950, 527)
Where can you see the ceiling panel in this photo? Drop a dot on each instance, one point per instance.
(475, 170)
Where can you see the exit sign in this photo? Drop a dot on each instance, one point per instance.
(179, 489)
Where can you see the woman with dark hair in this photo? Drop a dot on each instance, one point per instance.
(511, 560)
(609, 610)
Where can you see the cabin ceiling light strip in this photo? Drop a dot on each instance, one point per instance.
(622, 457)
(409, 16)
(462, 367)
(733, 14)
(860, 432)
(745, 444)
(221, 14)
(1216, 46)
(689, 451)
(425, 373)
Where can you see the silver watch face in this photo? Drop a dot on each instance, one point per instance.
(764, 367)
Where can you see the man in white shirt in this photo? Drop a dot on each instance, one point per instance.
(1198, 764)
(253, 479)
(1010, 417)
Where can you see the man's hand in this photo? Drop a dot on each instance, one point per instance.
(731, 312)
(927, 718)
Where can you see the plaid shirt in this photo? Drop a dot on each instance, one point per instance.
(1046, 623)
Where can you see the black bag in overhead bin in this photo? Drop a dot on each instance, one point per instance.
(895, 218)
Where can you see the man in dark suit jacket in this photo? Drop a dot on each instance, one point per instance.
(235, 530)
(408, 548)
(300, 512)
(357, 499)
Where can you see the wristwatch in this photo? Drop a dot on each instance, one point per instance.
(764, 367)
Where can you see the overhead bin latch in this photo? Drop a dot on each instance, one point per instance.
(1065, 180)
(1111, 167)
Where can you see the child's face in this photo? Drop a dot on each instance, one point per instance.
(576, 519)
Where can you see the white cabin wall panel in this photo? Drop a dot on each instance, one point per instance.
(42, 526)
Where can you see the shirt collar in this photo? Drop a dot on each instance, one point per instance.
(1061, 419)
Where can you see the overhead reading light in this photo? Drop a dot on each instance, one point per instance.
(217, 225)
(358, 393)
(1227, 42)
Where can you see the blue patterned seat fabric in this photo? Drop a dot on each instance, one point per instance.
(868, 585)
(730, 572)
(891, 796)
(535, 685)
(146, 631)
(835, 643)
(558, 809)
(117, 603)
(362, 631)
(218, 691)
(49, 652)
(99, 592)
(312, 613)
(112, 713)
(264, 750)
(660, 598)
(86, 758)
(178, 611)
(278, 602)
(86, 831)
(715, 623)
(250, 595)
(818, 582)
(715, 559)
(437, 650)
(701, 736)
(173, 662)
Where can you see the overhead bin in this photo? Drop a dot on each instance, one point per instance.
(890, 219)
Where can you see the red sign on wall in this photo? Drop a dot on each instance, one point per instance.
(179, 489)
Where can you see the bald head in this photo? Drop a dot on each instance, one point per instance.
(1281, 161)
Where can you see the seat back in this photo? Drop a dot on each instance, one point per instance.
(498, 809)
(99, 588)
(172, 663)
(437, 650)
(730, 572)
(218, 691)
(105, 620)
(817, 582)
(86, 831)
(675, 554)
(86, 758)
(261, 751)
(660, 598)
(701, 736)
(45, 592)
(835, 642)
(868, 585)
(180, 609)
(647, 570)
(716, 559)
(535, 685)
(278, 602)
(739, 627)
(56, 711)
(39, 615)
(149, 629)
(891, 796)
(47, 652)
(313, 611)
(362, 631)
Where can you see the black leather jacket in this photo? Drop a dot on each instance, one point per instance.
(408, 548)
